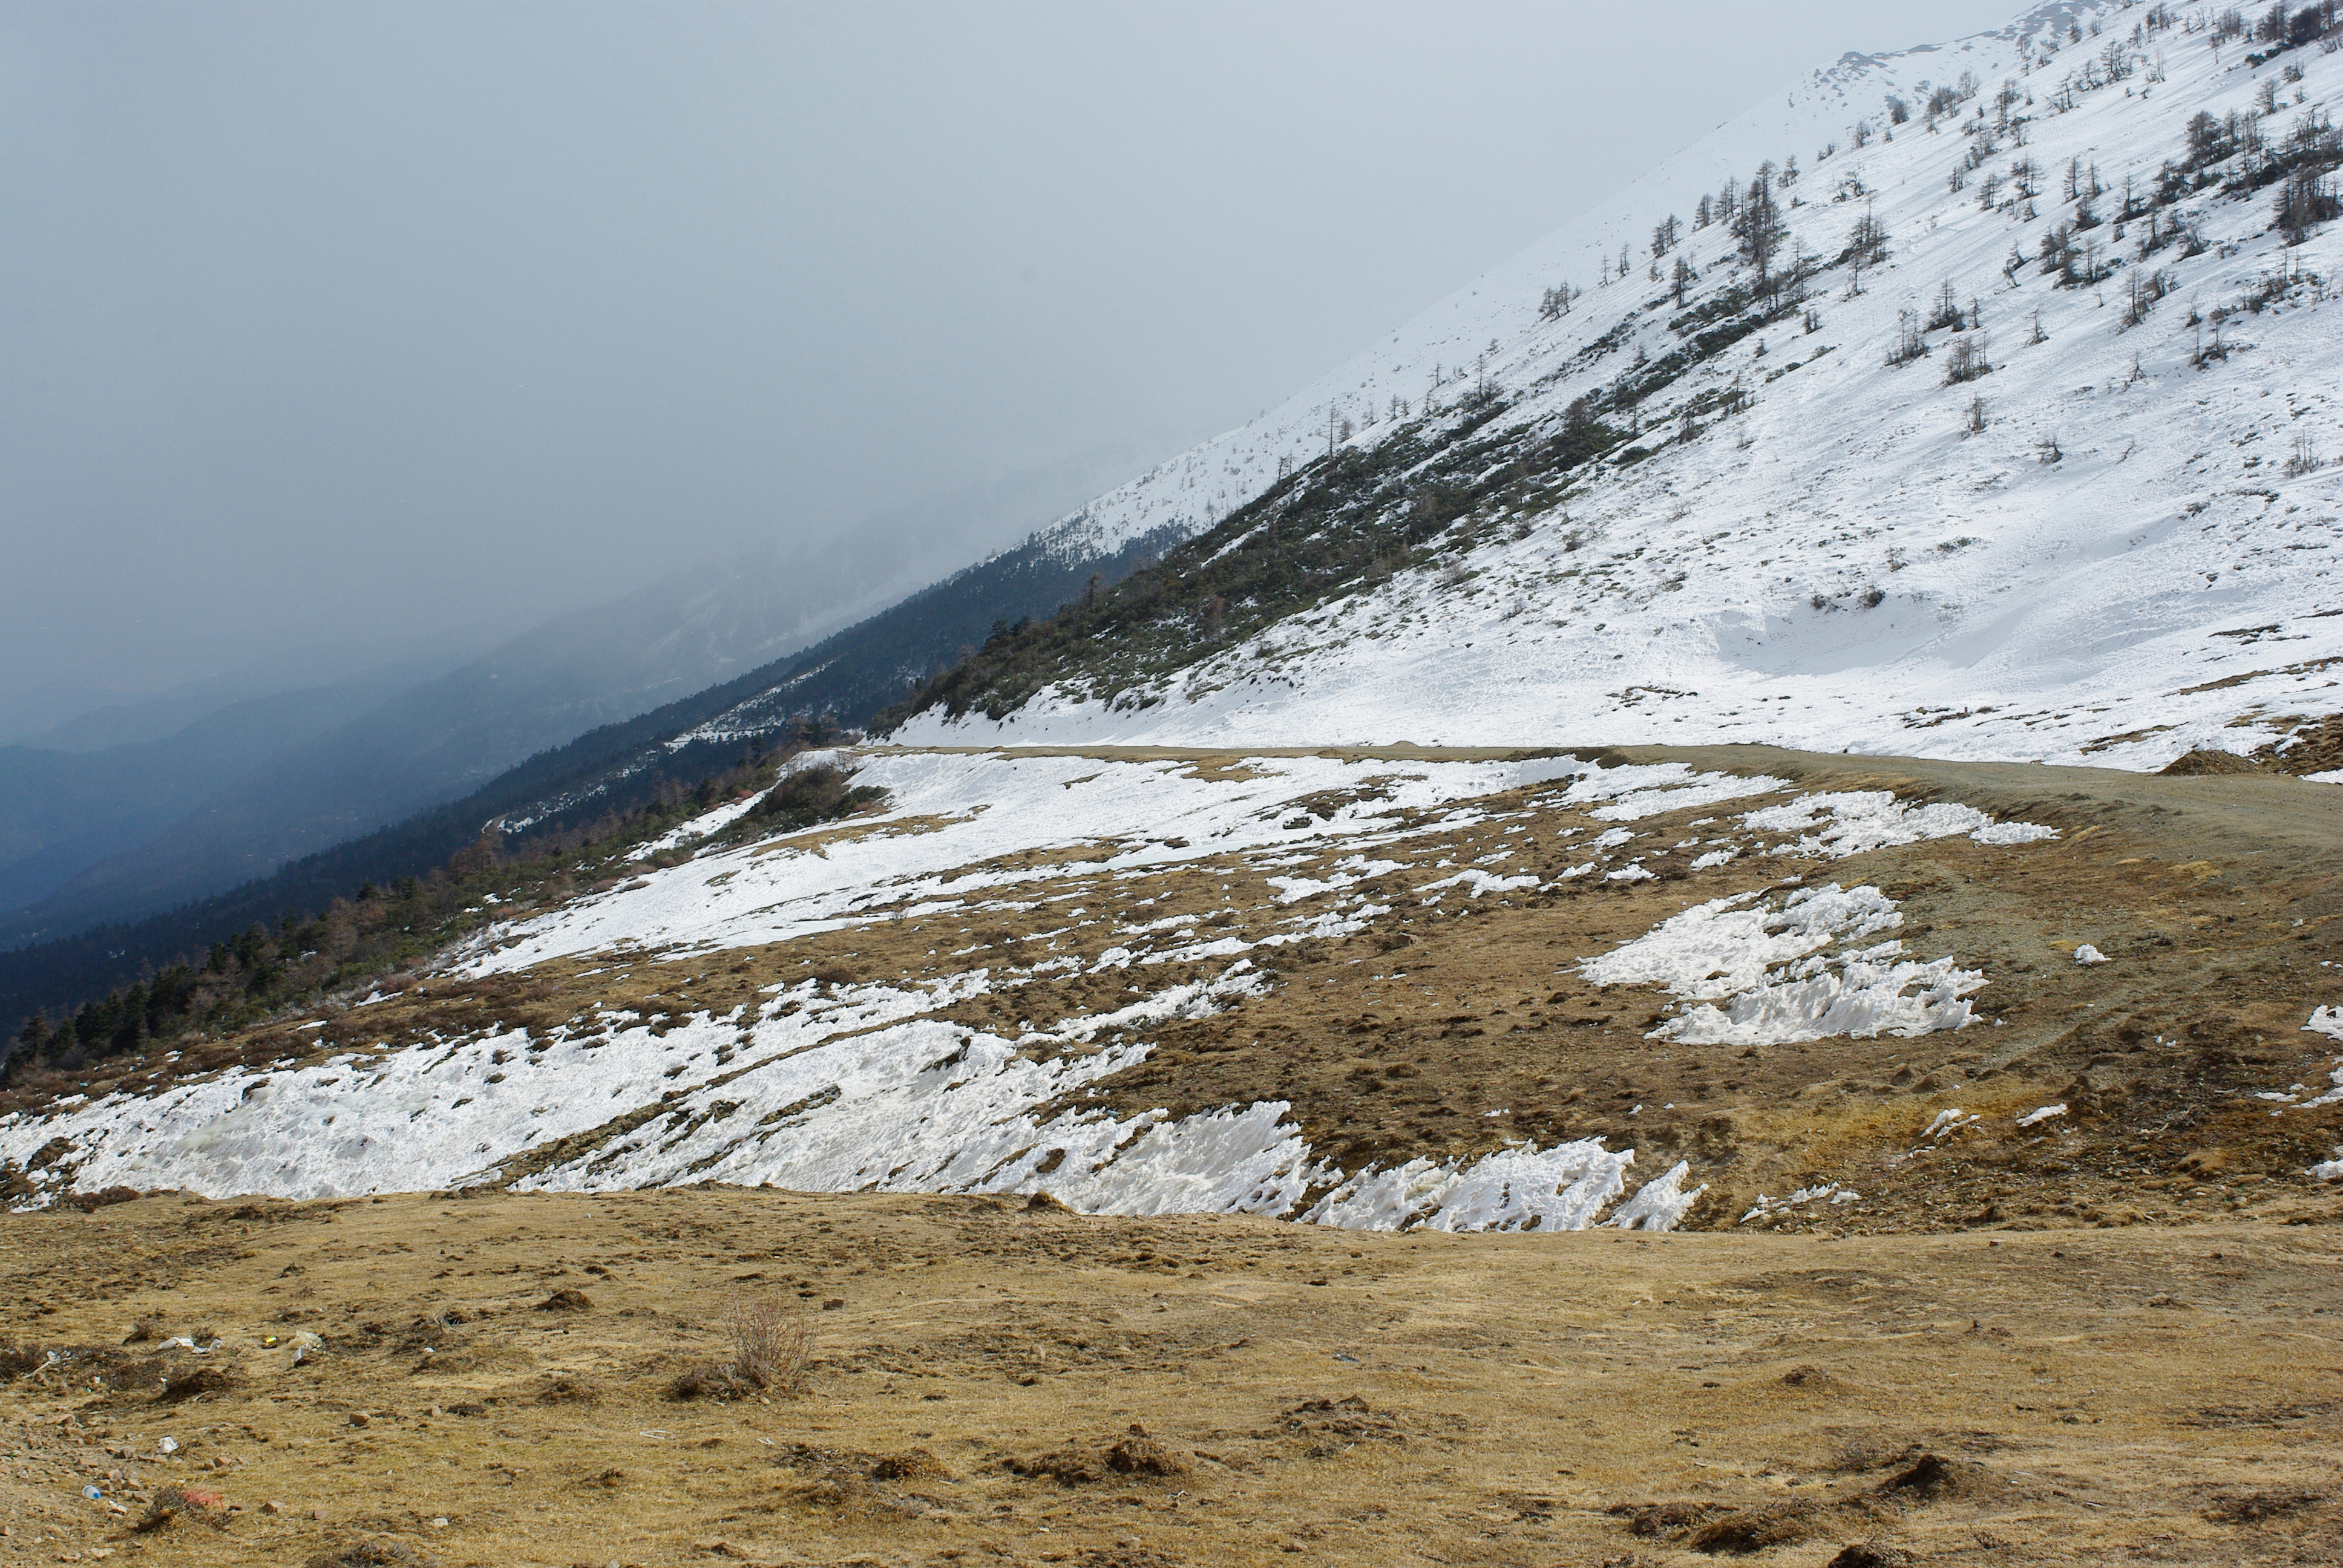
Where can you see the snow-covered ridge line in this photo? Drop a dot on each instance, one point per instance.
(2107, 537)
(1196, 489)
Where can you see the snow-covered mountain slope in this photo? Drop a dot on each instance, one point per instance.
(960, 980)
(2116, 542)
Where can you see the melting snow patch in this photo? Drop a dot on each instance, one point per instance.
(1333, 924)
(1478, 882)
(1766, 1208)
(1660, 1203)
(1347, 873)
(1642, 792)
(2328, 1021)
(1724, 950)
(1948, 1122)
(2043, 1113)
(1834, 825)
(699, 827)
(1713, 950)
(1861, 995)
(1561, 1189)
(2087, 954)
(2328, 1170)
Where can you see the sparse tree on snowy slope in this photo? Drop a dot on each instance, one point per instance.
(1758, 226)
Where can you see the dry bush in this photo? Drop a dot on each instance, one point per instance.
(379, 1553)
(772, 1352)
(180, 1502)
(568, 1390)
(197, 1384)
(772, 1342)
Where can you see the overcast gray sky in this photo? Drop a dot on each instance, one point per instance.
(395, 324)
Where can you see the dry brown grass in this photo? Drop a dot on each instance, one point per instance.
(1486, 1400)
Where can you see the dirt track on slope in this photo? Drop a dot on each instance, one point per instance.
(2154, 1394)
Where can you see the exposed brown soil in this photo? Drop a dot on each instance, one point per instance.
(998, 1383)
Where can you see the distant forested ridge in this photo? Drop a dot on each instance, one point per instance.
(596, 779)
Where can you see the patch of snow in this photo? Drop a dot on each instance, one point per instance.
(1715, 948)
(1727, 951)
(1564, 1188)
(1477, 882)
(1861, 995)
(1672, 787)
(698, 827)
(1836, 824)
(2042, 1113)
(1660, 1203)
(1766, 1208)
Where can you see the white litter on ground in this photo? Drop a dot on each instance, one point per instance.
(2328, 1021)
(1948, 1122)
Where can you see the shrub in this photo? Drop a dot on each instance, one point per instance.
(819, 793)
(180, 1502)
(1967, 361)
(381, 1554)
(772, 1352)
(771, 1343)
